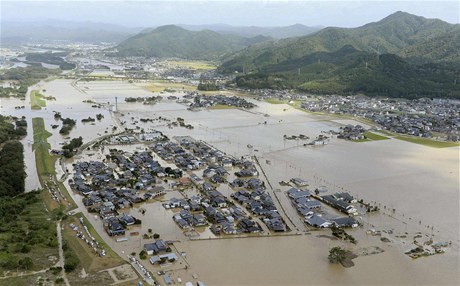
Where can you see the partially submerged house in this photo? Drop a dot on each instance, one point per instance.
(156, 247)
(317, 221)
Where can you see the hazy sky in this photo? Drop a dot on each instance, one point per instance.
(237, 13)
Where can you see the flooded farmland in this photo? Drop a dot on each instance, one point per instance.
(416, 187)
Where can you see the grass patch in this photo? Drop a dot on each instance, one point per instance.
(87, 257)
(26, 232)
(28, 280)
(94, 278)
(66, 194)
(110, 252)
(227, 93)
(212, 92)
(386, 132)
(373, 136)
(162, 85)
(192, 65)
(80, 248)
(243, 94)
(364, 121)
(369, 136)
(45, 164)
(275, 101)
(428, 142)
(330, 115)
(36, 100)
(295, 103)
(221, 106)
(360, 140)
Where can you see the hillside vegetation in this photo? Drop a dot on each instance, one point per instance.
(176, 42)
(22, 78)
(296, 30)
(52, 59)
(402, 56)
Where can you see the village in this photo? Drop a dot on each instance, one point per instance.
(418, 117)
(220, 196)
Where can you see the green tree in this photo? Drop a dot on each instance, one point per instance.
(337, 254)
(143, 255)
(26, 263)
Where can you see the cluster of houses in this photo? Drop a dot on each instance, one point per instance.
(414, 124)
(417, 117)
(311, 209)
(173, 152)
(260, 204)
(212, 100)
(352, 133)
(212, 207)
(126, 179)
(205, 152)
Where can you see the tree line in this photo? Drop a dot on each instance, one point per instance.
(12, 172)
(23, 78)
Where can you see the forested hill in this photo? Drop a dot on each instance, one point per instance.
(173, 41)
(296, 30)
(401, 55)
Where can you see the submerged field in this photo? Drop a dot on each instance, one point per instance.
(397, 174)
(191, 65)
(36, 100)
(382, 169)
(166, 86)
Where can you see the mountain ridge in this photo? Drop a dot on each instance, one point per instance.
(402, 55)
(392, 34)
(173, 41)
(50, 30)
(276, 32)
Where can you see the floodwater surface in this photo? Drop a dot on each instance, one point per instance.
(417, 188)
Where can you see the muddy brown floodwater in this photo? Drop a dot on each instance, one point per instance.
(420, 183)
